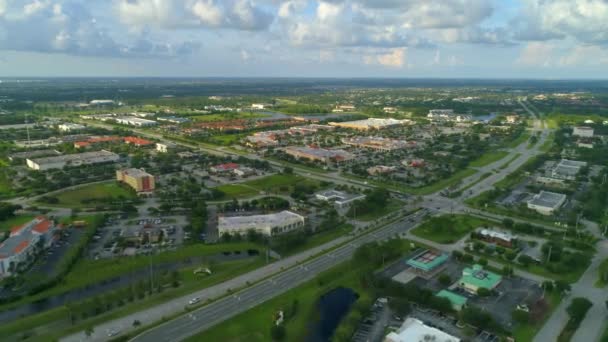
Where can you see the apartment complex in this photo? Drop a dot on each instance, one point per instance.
(23, 242)
(138, 179)
(268, 225)
(79, 159)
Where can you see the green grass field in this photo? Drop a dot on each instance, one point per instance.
(523, 137)
(15, 221)
(392, 205)
(95, 193)
(526, 332)
(279, 183)
(229, 116)
(448, 228)
(488, 158)
(505, 165)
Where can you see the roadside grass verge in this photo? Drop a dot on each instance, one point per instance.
(391, 206)
(505, 165)
(449, 228)
(488, 158)
(15, 221)
(522, 138)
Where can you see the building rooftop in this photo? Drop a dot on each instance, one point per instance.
(414, 330)
(338, 196)
(497, 235)
(21, 236)
(479, 277)
(242, 222)
(74, 157)
(372, 123)
(136, 172)
(427, 260)
(548, 199)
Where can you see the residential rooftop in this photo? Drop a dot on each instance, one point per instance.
(427, 260)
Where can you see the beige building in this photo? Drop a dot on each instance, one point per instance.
(138, 179)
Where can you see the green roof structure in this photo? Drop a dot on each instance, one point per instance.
(457, 301)
(427, 260)
(476, 277)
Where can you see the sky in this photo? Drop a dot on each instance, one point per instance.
(546, 39)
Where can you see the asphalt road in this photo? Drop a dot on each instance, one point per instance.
(207, 316)
(278, 277)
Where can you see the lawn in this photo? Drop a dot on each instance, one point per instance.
(229, 116)
(93, 194)
(391, 206)
(526, 332)
(237, 191)
(54, 323)
(522, 138)
(449, 228)
(601, 281)
(488, 158)
(81, 275)
(15, 221)
(279, 183)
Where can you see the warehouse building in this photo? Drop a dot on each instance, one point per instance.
(135, 121)
(79, 159)
(371, 123)
(414, 330)
(268, 225)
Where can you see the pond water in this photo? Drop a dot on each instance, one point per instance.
(331, 308)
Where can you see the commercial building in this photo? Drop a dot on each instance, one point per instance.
(371, 123)
(173, 119)
(547, 202)
(135, 121)
(268, 225)
(244, 171)
(457, 301)
(343, 108)
(427, 263)
(567, 169)
(512, 119)
(440, 114)
(319, 154)
(380, 170)
(390, 110)
(138, 179)
(102, 103)
(139, 142)
(475, 278)
(414, 330)
(86, 158)
(376, 143)
(165, 147)
(340, 198)
(504, 239)
(22, 243)
(69, 127)
(33, 154)
(223, 168)
(583, 132)
(261, 106)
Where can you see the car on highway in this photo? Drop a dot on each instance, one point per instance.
(194, 300)
(113, 332)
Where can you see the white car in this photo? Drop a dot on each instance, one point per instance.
(113, 332)
(194, 300)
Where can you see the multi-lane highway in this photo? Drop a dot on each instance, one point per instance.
(275, 279)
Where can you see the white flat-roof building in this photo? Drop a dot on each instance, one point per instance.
(440, 114)
(567, 169)
(547, 202)
(135, 121)
(165, 147)
(86, 158)
(414, 330)
(102, 103)
(340, 198)
(371, 123)
(269, 224)
(583, 131)
(69, 127)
